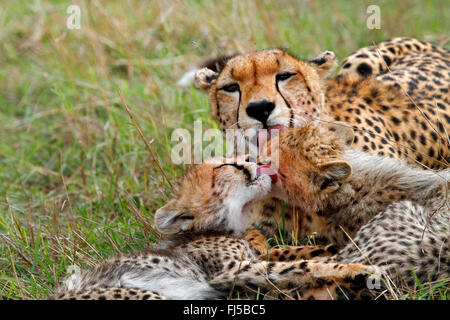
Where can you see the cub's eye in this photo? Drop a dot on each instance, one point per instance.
(186, 217)
(326, 183)
(284, 76)
(232, 87)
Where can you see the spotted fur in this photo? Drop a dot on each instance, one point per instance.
(397, 215)
(107, 293)
(395, 95)
(196, 262)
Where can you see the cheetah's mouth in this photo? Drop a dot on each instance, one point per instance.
(268, 170)
(264, 135)
(261, 170)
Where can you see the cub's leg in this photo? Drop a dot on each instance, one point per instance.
(288, 253)
(306, 279)
(105, 293)
(292, 253)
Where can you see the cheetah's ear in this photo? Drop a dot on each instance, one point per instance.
(342, 131)
(205, 78)
(332, 174)
(324, 63)
(170, 221)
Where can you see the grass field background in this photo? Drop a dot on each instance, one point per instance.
(77, 184)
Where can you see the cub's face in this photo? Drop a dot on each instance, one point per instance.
(215, 195)
(266, 89)
(311, 166)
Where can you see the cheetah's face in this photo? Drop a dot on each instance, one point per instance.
(310, 165)
(215, 195)
(266, 89)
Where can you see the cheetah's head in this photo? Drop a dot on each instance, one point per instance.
(311, 167)
(215, 195)
(266, 89)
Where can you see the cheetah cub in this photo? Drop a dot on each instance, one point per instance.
(397, 216)
(206, 254)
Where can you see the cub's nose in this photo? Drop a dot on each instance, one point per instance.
(260, 110)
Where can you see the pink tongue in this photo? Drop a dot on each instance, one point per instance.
(264, 135)
(278, 127)
(266, 169)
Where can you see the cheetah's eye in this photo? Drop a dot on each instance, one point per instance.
(284, 76)
(186, 217)
(326, 183)
(232, 87)
(282, 174)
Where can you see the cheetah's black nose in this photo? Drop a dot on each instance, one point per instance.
(260, 110)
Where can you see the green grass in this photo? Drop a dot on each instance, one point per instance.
(76, 181)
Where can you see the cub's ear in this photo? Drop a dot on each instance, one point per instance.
(170, 221)
(342, 131)
(324, 63)
(332, 174)
(205, 78)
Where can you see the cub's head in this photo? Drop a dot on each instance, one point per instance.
(215, 195)
(311, 164)
(266, 89)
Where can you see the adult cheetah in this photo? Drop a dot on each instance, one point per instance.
(395, 95)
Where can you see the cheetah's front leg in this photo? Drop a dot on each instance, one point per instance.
(288, 253)
(305, 279)
(292, 253)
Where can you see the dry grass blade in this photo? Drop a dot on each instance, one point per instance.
(79, 236)
(278, 289)
(16, 248)
(342, 291)
(16, 225)
(139, 216)
(329, 293)
(391, 287)
(145, 140)
(112, 242)
(19, 285)
(354, 243)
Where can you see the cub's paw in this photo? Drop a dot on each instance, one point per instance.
(256, 240)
